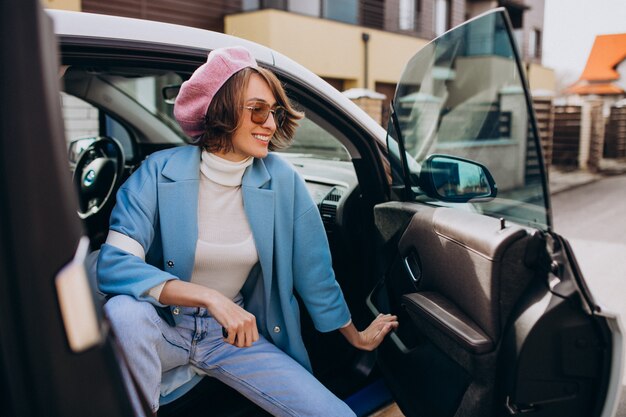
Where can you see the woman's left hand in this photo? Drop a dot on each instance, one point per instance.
(373, 335)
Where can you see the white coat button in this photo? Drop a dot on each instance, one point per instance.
(176, 311)
(276, 329)
(170, 264)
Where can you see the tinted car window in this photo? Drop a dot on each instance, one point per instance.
(148, 91)
(83, 120)
(463, 95)
(313, 141)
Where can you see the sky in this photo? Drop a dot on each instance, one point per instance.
(570, 28)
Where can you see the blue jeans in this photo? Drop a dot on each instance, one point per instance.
(262, 373)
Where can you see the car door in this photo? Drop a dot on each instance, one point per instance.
(56, 357)
(495, 318)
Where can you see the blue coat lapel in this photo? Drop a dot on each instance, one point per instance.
(259, 207)
(178, 205)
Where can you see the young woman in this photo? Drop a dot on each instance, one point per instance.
(207, 244)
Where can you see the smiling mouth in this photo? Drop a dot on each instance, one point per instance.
(262, 138)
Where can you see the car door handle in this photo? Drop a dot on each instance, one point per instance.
(413, 267)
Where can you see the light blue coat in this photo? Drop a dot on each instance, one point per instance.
(157, 207)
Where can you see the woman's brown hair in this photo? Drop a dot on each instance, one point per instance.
(225, 111)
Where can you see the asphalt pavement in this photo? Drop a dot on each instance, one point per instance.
(590, 211)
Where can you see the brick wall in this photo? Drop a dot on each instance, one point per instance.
(426, 19)
(596, 135)
(458, 12)
(533, 19)
(80, 118)
(372, 106)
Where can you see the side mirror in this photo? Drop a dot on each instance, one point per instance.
(77, 147)
(456, 180)
(169, 93)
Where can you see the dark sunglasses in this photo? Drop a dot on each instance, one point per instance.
(260, 111)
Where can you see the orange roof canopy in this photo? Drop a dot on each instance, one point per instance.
(607, 53)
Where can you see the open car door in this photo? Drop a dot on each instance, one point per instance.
(495, 318)
(56, 356)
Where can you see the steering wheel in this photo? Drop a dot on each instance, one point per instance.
(97, 175)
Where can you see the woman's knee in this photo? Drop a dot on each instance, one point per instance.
(126, 312)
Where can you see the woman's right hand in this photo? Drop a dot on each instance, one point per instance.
(240, 324)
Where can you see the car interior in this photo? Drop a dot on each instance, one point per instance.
(116, 116)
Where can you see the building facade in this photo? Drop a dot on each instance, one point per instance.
(349, 43)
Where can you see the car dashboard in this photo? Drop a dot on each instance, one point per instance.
(330, 184)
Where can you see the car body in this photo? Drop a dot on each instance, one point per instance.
(443, 219)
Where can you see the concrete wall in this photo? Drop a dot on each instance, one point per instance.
(328, 48)
(541, 78)
(74, 5)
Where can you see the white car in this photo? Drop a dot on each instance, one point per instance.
(495, 317)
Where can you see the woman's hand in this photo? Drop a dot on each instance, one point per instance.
(373, 335)
(239, 324)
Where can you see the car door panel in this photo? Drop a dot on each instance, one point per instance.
(41, 375)
(471, 271)
(463, 256)
(482, 331)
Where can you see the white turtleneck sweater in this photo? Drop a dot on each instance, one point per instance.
(225, 251)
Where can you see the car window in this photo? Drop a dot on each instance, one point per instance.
(313, 141)
(80, 118)
(155, 93)
(463, 95)
(83, 120)
(149, 91)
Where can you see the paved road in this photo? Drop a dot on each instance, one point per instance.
(593, 219)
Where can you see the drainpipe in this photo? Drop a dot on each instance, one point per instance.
(365, 37)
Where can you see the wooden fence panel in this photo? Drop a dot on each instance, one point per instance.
(566, 136)
(545, 124)
(615, 139)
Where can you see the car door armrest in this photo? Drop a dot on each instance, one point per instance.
(443, 314)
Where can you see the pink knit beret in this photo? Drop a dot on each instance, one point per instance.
(197, 92)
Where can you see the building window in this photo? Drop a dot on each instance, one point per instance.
(534, 44)
(341, 10)
(307, 7)
(442, 16)
(372, 13)
(247, 5)
(407, 15)
(338, 83)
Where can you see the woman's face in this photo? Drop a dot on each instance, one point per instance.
(252, 139)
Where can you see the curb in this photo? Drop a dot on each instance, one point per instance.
(559, 187)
